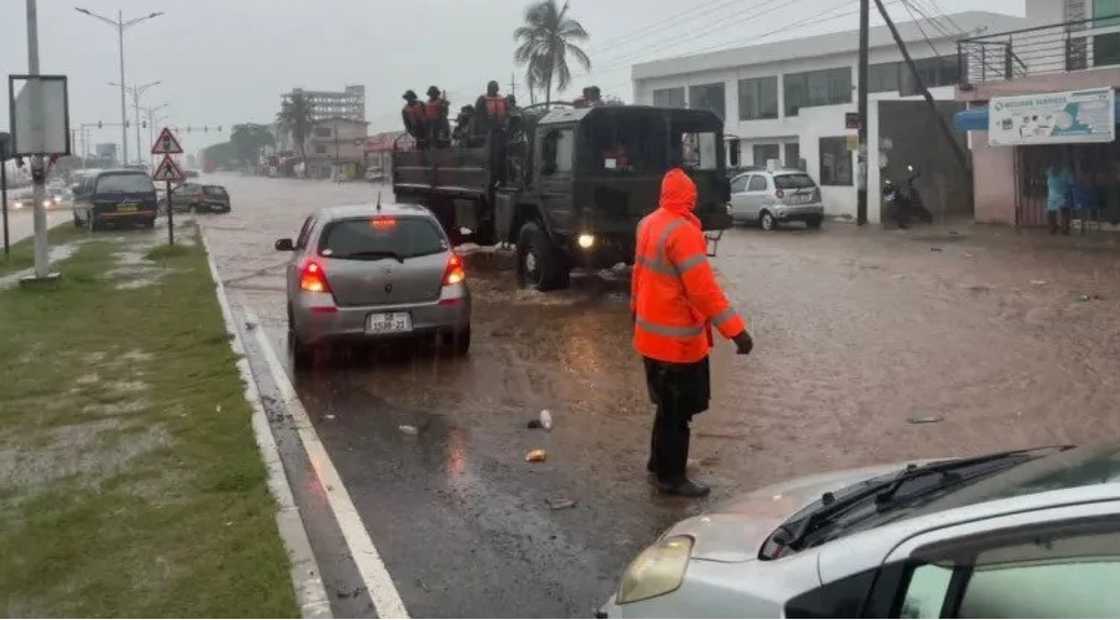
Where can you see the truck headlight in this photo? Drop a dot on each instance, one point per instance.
(656, 571)
(585, 241)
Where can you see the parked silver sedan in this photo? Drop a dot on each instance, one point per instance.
(769, 198)
(1024, 534)
(371, 273)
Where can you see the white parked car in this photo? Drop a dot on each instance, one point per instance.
(769, 198)
(1022, 534)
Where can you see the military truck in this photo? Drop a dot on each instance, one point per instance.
(566, 185)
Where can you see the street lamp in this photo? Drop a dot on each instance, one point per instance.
(152, 120)
(137, 91)
(120, 25)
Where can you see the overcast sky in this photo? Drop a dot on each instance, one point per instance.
(228, 61)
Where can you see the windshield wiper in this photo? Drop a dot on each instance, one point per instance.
(884, 492)
(372, 254)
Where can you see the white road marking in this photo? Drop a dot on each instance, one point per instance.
(379, 583)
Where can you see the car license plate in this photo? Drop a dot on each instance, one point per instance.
(388, 323)
(127, 208)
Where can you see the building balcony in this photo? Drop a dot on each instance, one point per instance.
(1044, 51)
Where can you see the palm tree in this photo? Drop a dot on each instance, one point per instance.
(297, 116)
(545, 42)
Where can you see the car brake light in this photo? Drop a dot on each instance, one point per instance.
(454, 273)
(780, 194)
(313, 278)
(383, 223)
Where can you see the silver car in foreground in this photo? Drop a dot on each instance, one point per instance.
(371, 273)
(769, 198)
(1024, 534)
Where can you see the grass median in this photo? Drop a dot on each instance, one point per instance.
(130, 481)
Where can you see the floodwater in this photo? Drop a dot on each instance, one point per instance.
(1004, 339)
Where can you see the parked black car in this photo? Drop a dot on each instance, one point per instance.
(200, 198)
(115, 197)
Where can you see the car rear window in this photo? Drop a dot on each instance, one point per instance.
(793, 181)
(214, 190)
(124, 184)
(371, 238)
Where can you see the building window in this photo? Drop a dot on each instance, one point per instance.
(764, 153)
(943, 71)
(1106, 47)
(793, 155)
(322, 132)
(817, 88)
(320, 149)
(836, 161)
(883, 78)
(733, 152)
(669, 97)
(707, 97)
(758, 98)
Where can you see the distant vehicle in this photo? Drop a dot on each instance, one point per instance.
(191, 174)
(143, 167)
(200, 198)
(568, 186)
(368, 274)
(115, 196)
(901, 204)
(770, 198)
(1029, 533)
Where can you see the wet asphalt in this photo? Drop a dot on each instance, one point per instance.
(1006, 339)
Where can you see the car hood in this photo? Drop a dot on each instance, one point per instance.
(736, 530)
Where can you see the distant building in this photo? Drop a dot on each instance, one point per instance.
(336, 148)
(787, 101)
(106, 151)
(348, 103)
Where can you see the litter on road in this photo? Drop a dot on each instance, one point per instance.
(536, 456)
(560, 503)
(408, 429)
(928, 419)
(546, 420)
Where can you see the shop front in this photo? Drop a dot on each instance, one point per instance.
(1046, 159)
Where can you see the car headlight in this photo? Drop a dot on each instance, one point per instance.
(585, 241)
(18, 204)
(656, 571)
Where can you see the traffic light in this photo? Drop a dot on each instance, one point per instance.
(188, 128)
(127, 123)
(144, 124)
(99, 124)
(219, 129)
(205, 129)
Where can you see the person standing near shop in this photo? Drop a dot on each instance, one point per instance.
(675, 301)
(1059, 196)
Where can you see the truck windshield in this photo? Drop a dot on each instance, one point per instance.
(699, 150)
(625, 145)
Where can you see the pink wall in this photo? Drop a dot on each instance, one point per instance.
(993, 187)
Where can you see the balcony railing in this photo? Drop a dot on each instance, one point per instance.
(1058, 48)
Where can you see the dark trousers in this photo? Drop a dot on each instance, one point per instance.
(1054, 216)
(679, 391)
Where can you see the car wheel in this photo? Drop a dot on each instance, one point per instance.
(77, 221)
(302, 355)
(459, 341)
(813, 223)
(91, 223)
(540, 265)
(767, 221)
(150, 223)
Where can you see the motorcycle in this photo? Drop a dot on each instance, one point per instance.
(902, 204)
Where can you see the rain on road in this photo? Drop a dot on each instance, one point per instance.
(1009, 340)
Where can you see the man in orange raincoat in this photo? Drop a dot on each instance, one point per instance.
(676, 300)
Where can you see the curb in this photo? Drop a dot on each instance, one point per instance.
(311, 595)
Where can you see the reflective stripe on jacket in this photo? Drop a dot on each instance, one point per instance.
(674, 294)
(496, 107)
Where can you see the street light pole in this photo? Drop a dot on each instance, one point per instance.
(120, 25)
(137, 92)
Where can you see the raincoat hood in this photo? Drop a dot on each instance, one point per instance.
(678, 192)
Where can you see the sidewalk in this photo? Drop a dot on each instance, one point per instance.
(130, 482)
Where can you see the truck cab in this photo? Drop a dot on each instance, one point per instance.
(568, 186)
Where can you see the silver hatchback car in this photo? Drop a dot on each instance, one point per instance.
(369, 273)
(769, 198)
(1022, 534)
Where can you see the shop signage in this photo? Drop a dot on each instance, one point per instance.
(1053, 118)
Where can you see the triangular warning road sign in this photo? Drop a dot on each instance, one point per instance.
(168, 170)
(166, 144)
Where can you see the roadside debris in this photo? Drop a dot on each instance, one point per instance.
(935, 249)
(560, 503)
(408, 429)
(329, 416)
(926, 419)
(249, 325)
(1038, 282)
(536, 456)
(1093, 297)
(543, 421)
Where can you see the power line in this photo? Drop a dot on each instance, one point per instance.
(906, 5)
(672, 21)
(933, 22)
(937, 9)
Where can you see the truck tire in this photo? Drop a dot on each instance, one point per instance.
(540, 265)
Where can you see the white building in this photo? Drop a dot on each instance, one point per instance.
(787, 100)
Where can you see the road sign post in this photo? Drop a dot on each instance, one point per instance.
(5, 142)
(168, 171)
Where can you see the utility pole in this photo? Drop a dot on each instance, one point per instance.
(38, 165)
(958, 152)
(864, 149)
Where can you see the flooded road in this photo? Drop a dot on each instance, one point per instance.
(1003, 339)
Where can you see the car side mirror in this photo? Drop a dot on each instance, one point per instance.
(284, 245)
